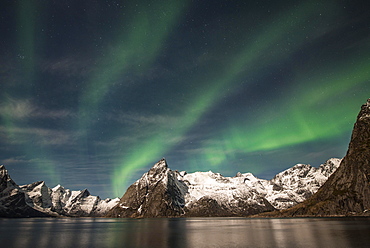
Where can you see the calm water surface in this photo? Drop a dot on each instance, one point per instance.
(185, 232)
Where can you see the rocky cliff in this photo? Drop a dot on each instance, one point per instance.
(347, 191)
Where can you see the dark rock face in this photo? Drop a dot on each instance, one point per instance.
(13, 201)
(209, 207)
(157, 193)
(347, 191)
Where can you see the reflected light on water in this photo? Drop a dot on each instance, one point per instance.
(184, 232)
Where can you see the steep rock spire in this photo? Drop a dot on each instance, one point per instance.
(347, 191)
(158, 193)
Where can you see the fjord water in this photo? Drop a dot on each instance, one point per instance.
(185, 232)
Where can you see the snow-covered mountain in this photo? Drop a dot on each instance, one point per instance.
(298, 183)
(158, 193)
(13, 199)
(286, 189)
(162, 192)
(79, 203)
(36, 199)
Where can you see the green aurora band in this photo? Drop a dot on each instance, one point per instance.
(296, 116)
(249, 60)
(134, 50)
(306, 117)
(27, 23)
(140, 40)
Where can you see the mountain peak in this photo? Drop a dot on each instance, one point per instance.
(158, 169)
(84, 193)
(161, 164)
(58, 187)
(3, 171)
(365, 111)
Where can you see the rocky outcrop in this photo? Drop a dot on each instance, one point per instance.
(347, 191)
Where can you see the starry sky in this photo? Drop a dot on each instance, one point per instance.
(94, 92)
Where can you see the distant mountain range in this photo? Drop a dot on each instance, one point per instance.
(37, 200)
(162, 192)
(337, 187)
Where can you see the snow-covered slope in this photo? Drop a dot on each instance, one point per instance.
(36, 199)
(211, 194)
(235, 195)
(286, 189)
(79, 203)
(296, 184)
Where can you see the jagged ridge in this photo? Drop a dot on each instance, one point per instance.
(162, 192)
(38, 200)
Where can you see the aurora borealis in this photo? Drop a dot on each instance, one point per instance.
(93, 93)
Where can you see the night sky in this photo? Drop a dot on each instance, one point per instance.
(93, 93)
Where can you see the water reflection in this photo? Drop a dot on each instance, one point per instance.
(187, 232)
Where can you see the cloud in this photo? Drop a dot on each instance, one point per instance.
(68, 66)
(135, 119)
(40, 136)
(16, 109)
(19, 109)
(14, 160)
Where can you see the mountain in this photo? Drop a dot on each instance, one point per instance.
(37, 200)
(299, 183)
(347, 191)
(162, 192)
(158, 193)
(335, 188)
(13, 201)
(78, 203)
